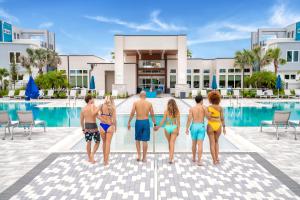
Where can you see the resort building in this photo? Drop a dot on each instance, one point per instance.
(160, 62)
(14, 41)
(288, 40)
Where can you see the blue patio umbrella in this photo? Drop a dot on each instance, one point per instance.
(278, 84)
(92, 83)
(214, 85)
(32, 91)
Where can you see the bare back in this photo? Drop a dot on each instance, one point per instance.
(198, 113)
(89, 113)
(142, 109)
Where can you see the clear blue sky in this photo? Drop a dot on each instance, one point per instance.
(214, 28)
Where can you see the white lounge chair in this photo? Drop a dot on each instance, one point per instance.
(224, 93)
(203, 93)
(26, 120)
(270, 94)
(281, 118)
(101, 94)
(72, 94)
(260, 94)
(11, 94)
(21, 94)
(6, 122)
(297, 92)
(288, 94)
(295, 124)
(194, 93)
(115, 93)
(236, 94)
(82, 94)
(50, 94)
(41, 94)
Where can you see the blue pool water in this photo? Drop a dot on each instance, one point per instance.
(69, 117)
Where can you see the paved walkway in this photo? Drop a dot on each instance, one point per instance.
(70, 176)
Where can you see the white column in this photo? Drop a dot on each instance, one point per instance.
(182, 60)
(119, 60)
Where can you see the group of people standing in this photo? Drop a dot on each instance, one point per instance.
(141, 109)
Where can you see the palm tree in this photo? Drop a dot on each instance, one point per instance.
(13, 73)
(3, 73)
(274, 55)
(243, 59)
(53, 59)
(189, 53)
(40, 59)
(260, 59)
(25, 62)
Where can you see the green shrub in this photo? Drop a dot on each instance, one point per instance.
(52, 79)
(263, 79)
(17, 91)
(248, 93)
(3, 93)
(60, 95)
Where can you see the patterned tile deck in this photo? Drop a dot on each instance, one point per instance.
(69, 176)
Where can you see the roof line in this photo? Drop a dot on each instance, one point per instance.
(81, 55)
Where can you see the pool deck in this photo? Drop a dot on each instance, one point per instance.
(46, 167)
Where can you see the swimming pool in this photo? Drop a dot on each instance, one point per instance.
(69, 117)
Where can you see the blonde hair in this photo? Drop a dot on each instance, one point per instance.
(172, 108)
(109, 102)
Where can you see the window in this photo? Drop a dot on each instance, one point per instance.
(79, 78)
(196, 70)
(222, 81)
(247, 70)
(173, 71)
(237, 70)
(295, 56)
(206, 71)
(172, 81)
(18, 55)
(289, 55)
(196, 82)
(11, 57)
(188, 71)
(293, 76)
(231, 81)
(206, 81)
(18, 36)
(287, 76)
(189, 80)
(237, 81)
(15, 36)
(231, 70)
(222, 70)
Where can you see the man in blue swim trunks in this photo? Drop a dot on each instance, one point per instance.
(142, 108)
(197, 129)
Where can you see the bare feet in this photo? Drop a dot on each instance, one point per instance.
(171, 162)
(194, 160)
(92, 160)
(105, 163)
(138, 160)
(200, 163)
(144, 160)
(215, 162)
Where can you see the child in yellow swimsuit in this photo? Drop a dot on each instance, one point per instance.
(215, 124)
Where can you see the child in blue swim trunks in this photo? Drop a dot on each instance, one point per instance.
(195, 125)
(172, 119)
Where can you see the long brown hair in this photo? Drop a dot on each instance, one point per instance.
(172, 109)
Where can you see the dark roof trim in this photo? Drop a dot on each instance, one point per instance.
(151, 35)
(207, 58)
(81, 55)
(109, 63)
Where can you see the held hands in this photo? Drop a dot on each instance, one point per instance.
(187, 132)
